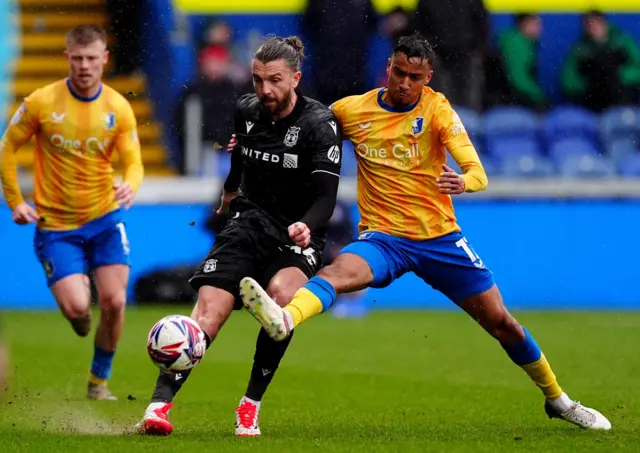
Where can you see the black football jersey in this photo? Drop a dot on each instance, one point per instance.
(278, 158)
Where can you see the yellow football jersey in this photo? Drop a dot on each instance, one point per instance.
(400, 153)
(75, 138)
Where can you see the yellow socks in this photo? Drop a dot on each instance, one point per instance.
(96, 380)
(528, 356)
(303, 306)
(315, 297)
(541, 373)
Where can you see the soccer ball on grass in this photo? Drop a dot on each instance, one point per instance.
(176, 343)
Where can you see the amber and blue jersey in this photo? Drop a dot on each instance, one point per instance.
(75, 139)
(400, 153)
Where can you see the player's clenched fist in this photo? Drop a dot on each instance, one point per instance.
(232, 143)
(24, 214)
(300, 234)
(450, 182)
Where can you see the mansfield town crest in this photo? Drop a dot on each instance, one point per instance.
(416, 125)
(291, 138)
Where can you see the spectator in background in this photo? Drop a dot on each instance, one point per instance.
(218, 95)
(219, 37)
(603, 68)
(217, 34)
(338, 32)
(125, 24)
(395, 24)
(519, 49)
(459, 32)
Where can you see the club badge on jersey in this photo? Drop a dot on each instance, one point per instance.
(417, 125)
(110, 121)
(291, 138)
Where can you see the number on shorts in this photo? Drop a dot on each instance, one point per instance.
(123, 238)
(473, 256)
(309, 253)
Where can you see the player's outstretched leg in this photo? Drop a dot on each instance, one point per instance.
(111, 284)
(268, 355)
(213, 308)
(348, 273)
(489, 310)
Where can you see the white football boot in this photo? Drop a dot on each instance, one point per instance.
(155, 421)
(277, 322)
(99, 392)
(584, 417)
(247, 418)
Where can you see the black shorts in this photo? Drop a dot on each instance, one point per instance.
(244, 248)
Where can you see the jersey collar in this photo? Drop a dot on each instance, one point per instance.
(82, 98)
(388, 108)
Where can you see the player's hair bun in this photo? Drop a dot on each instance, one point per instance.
(275, 47)
(297, 44)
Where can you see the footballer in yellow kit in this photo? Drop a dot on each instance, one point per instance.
(401, 136)
(78, 123)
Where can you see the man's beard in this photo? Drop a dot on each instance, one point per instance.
(280, 106)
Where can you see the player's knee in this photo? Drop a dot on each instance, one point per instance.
(281, 293)
(213, 309)
(73, 312)
(74, 308)
(114, 302)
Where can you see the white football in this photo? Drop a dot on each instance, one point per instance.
(176, 343)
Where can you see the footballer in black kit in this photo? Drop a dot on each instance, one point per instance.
(284, 171)
(278, 198)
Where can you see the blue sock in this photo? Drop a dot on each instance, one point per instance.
(323, 291)
(101, 365)
(525, 352)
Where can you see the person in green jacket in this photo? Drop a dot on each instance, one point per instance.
(603, 67)
(519, 50)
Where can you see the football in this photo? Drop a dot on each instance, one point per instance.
(176, 343)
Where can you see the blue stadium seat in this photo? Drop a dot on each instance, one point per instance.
(503, 147)
(621, 148)
(349, 164)
(572, 147)
(620, 122)
(629, 167)
(571, 122)
(479, 145)
(472, 121)
(508, 122)
(491, 166)
(586, 166)
(526, 166)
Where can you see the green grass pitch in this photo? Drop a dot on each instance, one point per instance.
(393, 381)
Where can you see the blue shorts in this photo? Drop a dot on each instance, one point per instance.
(101, 242)
(448, 263)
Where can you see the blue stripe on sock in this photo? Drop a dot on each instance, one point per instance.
(525, 352)
(323, 290)
(101, 365)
